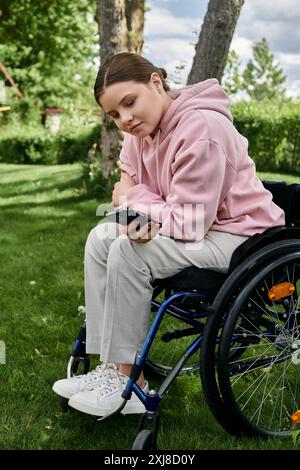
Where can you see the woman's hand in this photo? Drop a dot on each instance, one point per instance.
(121, 188)
(144, 234)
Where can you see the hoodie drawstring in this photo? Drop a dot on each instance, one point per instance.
(158, 175)
(140, 169)
(140, 166)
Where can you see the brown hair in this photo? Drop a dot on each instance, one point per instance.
(123, 67)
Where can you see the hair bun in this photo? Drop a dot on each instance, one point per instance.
(163, 72)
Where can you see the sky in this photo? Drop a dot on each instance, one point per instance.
(172, 28)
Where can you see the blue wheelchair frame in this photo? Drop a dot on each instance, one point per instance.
(150, 400)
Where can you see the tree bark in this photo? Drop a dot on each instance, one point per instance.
(214, 40)
(121, 29)
(135, 13)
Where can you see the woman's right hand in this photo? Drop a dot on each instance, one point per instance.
(143, 234)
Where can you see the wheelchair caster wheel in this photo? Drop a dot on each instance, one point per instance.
(144, 441)
(64, 404)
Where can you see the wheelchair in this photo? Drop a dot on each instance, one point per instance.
(244, 324)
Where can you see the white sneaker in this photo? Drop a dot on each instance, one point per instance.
(106, 397)
(68, 387)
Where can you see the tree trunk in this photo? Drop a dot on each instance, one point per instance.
(10, 80)
(121, 29)
(135, 12)
(214, 40)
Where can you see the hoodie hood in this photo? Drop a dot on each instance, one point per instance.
(206, 95)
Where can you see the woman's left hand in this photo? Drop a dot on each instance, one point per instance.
(121, 188)
(144, 234)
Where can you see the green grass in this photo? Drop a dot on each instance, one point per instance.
(44, 222)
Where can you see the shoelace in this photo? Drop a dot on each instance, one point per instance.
(101, 370)
(113, 381)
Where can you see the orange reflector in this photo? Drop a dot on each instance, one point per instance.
(295, 418)
(281, 290)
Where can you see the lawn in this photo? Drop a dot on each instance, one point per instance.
(44, 222)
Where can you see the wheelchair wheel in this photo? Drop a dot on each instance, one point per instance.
(261, 387)
(78, 365)
(170, 342)
(233, 286)
(144, 441)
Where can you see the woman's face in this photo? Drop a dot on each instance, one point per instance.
(136, 108)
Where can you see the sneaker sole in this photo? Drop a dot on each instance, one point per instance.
(65, 393)
(130, 408)
(133, 408)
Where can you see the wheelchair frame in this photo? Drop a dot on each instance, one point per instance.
(258, 252)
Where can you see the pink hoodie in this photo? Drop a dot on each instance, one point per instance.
(197, 157)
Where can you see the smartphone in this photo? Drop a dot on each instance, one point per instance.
(125, 215)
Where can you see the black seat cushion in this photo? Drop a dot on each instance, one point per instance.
(193, 278)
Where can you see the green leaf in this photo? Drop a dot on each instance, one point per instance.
(295, 436)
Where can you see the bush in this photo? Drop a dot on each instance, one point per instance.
(93, 181)
(272, 129)
(273, 132)
(38, 145)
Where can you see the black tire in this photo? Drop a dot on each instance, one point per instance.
(261, 389)
(144, 441)
(80, 363)
(233, 285)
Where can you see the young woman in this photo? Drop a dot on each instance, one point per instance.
(185, 165)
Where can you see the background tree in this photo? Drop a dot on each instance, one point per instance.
(48, 47)
(214, 40)
(121, 29)
(232, 79)
(262, 78)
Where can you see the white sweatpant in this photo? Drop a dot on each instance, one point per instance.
(118, 277)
